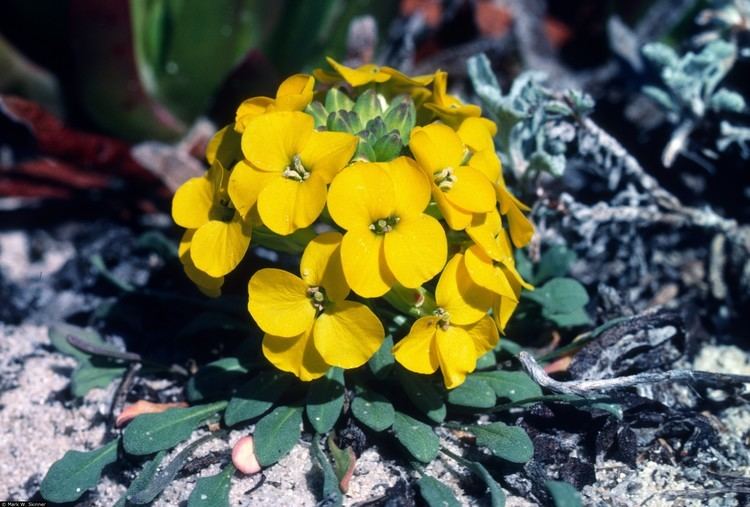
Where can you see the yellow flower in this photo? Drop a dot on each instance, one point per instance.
(288, 165)
(207, 284)
(389, 239)
(477, 135)
(294, 94)
(309, 324)
(221, 237)
(457, 335)
(449, 108)
(498, 277)
(369, 73)
(520, 227)
(459, 190)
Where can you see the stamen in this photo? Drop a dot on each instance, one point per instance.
(445, 179)
(296, 171)
(444, 318)
(317, 297)
(384, 225)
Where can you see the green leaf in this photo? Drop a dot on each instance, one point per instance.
(435, 493)
(325, 399)
(510, 443)
(69, 477)
(331, 491)
(577, 317)
(318, 112)
(560, 295)
(555, 262)
(563, 494)
(382, 361)
(514, 385)
(497, 495)
(424, 393)
(488, 360)
(149, 433)
(58, 335)
(144, 478)
(373, 410)
(344, 121)
(89, 375)
(276, 434)
(164, 475)
(417, 437)
(186, 48)
(212, 491)
(215, 380)
(524, 266)
(474, 392)
(256, 396)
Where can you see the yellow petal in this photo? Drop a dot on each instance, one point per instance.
(218, 247)
(502, 310)
(249, 110)
(286, 205)
(416, 250)
(365, 267)
(271, 140)
(224, 146)
(401, 79)
(360, 76)
(482, 272)
(521, 228)
(506, 199)
(326, 153)
(455, 112)
(411, 186)
(484, 335)
(472, 191)
(487, 163)
(436, 147)
(486, 230)
(477, 134)
(295, 93)
(456, 354)
(191, 205)
(207, 284)
(456, 293)
(245, 184)
(416, 351)
(321, 265)
(279, 303)
(361, 194)
(456, 218)
(347, 334)
(296, 354)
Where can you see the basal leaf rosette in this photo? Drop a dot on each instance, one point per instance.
(392, 193)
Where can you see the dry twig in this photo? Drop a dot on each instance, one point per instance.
(587, 387)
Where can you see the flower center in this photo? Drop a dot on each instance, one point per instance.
(317, 297)
(296, 171)
(384, 225)
(445, 179)
(223, 211)
(444, 318)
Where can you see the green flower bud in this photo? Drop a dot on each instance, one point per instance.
(401, 115)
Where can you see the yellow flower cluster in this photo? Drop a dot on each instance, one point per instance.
(393, 209)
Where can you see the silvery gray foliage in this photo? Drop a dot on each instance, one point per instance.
(535, 124)
(690, 88)
(725, 19)
(731, 134)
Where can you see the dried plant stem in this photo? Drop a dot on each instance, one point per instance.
(587, 387)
